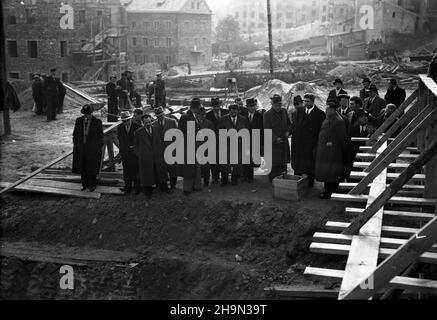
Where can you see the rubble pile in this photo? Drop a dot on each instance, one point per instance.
(350, 73)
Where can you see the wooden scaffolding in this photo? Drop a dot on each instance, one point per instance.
(385, 244)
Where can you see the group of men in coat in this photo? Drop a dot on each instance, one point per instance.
(48, 93)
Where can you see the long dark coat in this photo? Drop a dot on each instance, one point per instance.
(169, 124)
(330, 159)
(188, 171)
(113, 95)
(215, 121)
(150, 152)
(225, 123)
(91, 150)
(280, 124)
(364, 94)
(37, 95)
(62, 91)
(206, 124)
(432, 70)
(52, 96)
(374, 108)
(333, 94)
(304, 140)
(127, 152)
(257, 123)
(395, 96)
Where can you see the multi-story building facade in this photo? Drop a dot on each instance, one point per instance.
(36, 42)
(169, 32)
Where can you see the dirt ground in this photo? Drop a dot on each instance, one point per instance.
(187, 245)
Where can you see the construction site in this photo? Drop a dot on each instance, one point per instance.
(376, 239)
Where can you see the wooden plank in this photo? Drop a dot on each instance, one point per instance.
(72, 186)
(398, 261)
(50, 164)
(77, 179)
(336, 238)
(388, 231)
(399, 166)
(393, 200)
(406, 215)
(403, 156)
(394, 116)
(54, 191)
(344, 250)
(429, 83)
(368, 149)
(105, 175)
(367, 140)
(407, 187)
(390, 176)
(301, 292)
(406, 283)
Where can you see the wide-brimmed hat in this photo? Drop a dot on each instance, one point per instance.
(202, 111)
(366, 80)
(233, 106)
(297, 99)
(251, 102)
(159, 111)
(338, 80)
(393, 81)
(215, 102)
(276, 98)
(125, 115)
(195, 103)
(343, 95)
(53, 70)
(373, 88)
(87, 109)
(158, 73)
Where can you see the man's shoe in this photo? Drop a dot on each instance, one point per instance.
(92, 189)
(84, 188)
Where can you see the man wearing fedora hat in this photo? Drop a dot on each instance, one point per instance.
(333, 94)
(113, 91)
(150, 151)
(165, 124)
(126, 135)
(395, 94)
(158, 91)
(37, 94)
(52, 95)
(277, 120)
(191, 172)
(364, 93)
(255, 122)
(374, 103)
(214, 116)
(87, 148)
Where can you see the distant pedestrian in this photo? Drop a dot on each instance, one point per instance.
(331, 151)
(333, 94)
(158, 91)
(364, 93)
(395, 94)
(113, 91)
(204, 123)
(62, 91)
(51, 88)
(374, 103)
(87, 150)
(125, 103)
(37, 94)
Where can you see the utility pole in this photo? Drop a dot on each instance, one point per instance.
(3, 75)
(269, 19)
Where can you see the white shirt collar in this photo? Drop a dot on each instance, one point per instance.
(308, 111)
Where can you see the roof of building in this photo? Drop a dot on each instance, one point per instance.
(168, 6)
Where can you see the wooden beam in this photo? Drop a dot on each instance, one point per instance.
(388, 231)
(394, 116)
(387, 195)
(396, 166)
(403, 156)
(398, 261)
(390, 176)
(72, 186)
(407, 187)
(406, 283)
(301, 292)
(50, 164)
(406, 215)
(4, 76)
(368, 149)
(392, 200)
(344, 250)
(53, 191)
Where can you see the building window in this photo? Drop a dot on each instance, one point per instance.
(134, 41)
(168, 59)
(156, 42)
(32, 48)
(146, 59)
(30, 16)
(205, 41)
(14, 75)
(169, 43)
(192, 5)
(99, 13)
(278, 25)
(137, 59)
(64, 48)
(146, 25)
(168, 25)
(12, 20)
(12, 49)
(64, 76)
(279, 15)
(156, 59)
(394, 15)
(133, 24)
(156, 25)
(81, 17)
(198, 6)
(196, 41)
(145, 42)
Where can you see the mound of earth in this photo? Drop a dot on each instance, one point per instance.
(349, 73)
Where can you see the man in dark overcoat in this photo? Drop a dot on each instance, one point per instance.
(364, 93)
(191, 172)
(277, 120)
(37, 94)
(204, 123)
(255, 122)
(149, 148)
(214, 116)
(126, 134)
(113, 91)
(306, 135)
(62, 91)
(333, 94)
(52, 95)
(395, 94)
(87, 150)
(331, 151)
(158, 91)
(165, 124)
(236, 121)
(374, 103)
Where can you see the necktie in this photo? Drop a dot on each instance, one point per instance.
(234, 121)
(250, 117)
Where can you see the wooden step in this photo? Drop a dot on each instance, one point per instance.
(405, 215)
(396, 166)
(390, 176)
(407, 187)
(387, 231)
(367, 149)
(403, 156)
(72, 186)
(54, 191)
(393, 200)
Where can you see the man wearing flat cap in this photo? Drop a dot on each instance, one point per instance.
(395, 94)
(255, 122)
(191, 172)
(374, 103)
(165, 124)
(277, 120)
(306, 134)
(126, 135)
(87, 148)
(333, 94)
(51, 89)
(214, 116)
